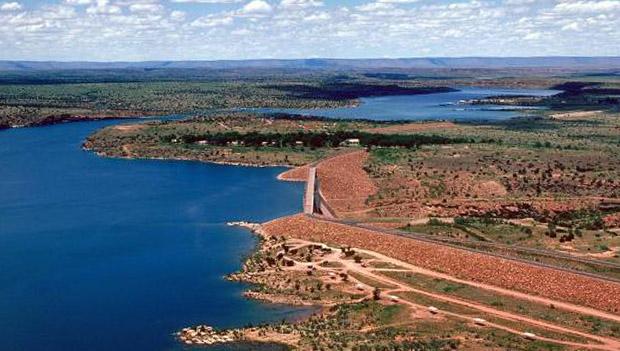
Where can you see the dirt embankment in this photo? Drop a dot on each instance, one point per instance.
(507, 274)
(344, 183)
(297, 174)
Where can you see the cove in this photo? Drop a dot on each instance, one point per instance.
(437, 106)
(111, 254)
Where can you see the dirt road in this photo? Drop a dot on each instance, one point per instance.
(398, 287)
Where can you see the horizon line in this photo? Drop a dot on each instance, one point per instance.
(323, 58)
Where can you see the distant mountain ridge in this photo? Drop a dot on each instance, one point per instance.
(404, 63)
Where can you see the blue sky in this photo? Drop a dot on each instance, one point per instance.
(114, 30)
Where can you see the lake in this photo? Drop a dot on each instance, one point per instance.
(110, 254)
(441, 106)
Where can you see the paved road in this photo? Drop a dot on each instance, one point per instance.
(310, 188)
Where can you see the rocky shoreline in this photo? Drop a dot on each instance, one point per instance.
(252, 227)
(250, 275)
(282, 271)
(206, 335)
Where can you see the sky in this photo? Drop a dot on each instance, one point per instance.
(139, 30)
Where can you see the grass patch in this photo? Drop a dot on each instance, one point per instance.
(509, 304)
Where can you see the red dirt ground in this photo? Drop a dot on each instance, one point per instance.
(507, 274)
(344, 183)
(297, 174)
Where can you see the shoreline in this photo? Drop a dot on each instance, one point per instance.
(56, 119)
(286, 333)
(207, 335)
(257, 230)
(189, 159)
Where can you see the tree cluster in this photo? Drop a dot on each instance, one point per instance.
(317, 139)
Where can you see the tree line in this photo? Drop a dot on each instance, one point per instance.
(317, 139)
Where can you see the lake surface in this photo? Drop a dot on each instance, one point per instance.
(108, 254)
(441, 106)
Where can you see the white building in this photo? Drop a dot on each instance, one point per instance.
(352, 142)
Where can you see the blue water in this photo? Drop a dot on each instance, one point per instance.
(108, 254)
(441, 106)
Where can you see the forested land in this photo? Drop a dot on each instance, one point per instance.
(39, 97)
(47, 97)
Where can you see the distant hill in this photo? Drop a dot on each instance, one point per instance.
(403, 63)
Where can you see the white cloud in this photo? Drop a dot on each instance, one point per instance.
(375, 6)
(103, 7)
(145, 8)
(398, 1)
(78, 2)
(519, 2)
(60, 13)
(300, 4)
(207, 1)
(10, 6)
(532, 36)
(454, 33)
(318, 17)
(211, 21)
(241, 32)
(257, 7)
(177, 15)
(573, 26)
(588, 6)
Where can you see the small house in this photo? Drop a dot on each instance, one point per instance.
(352, 142)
